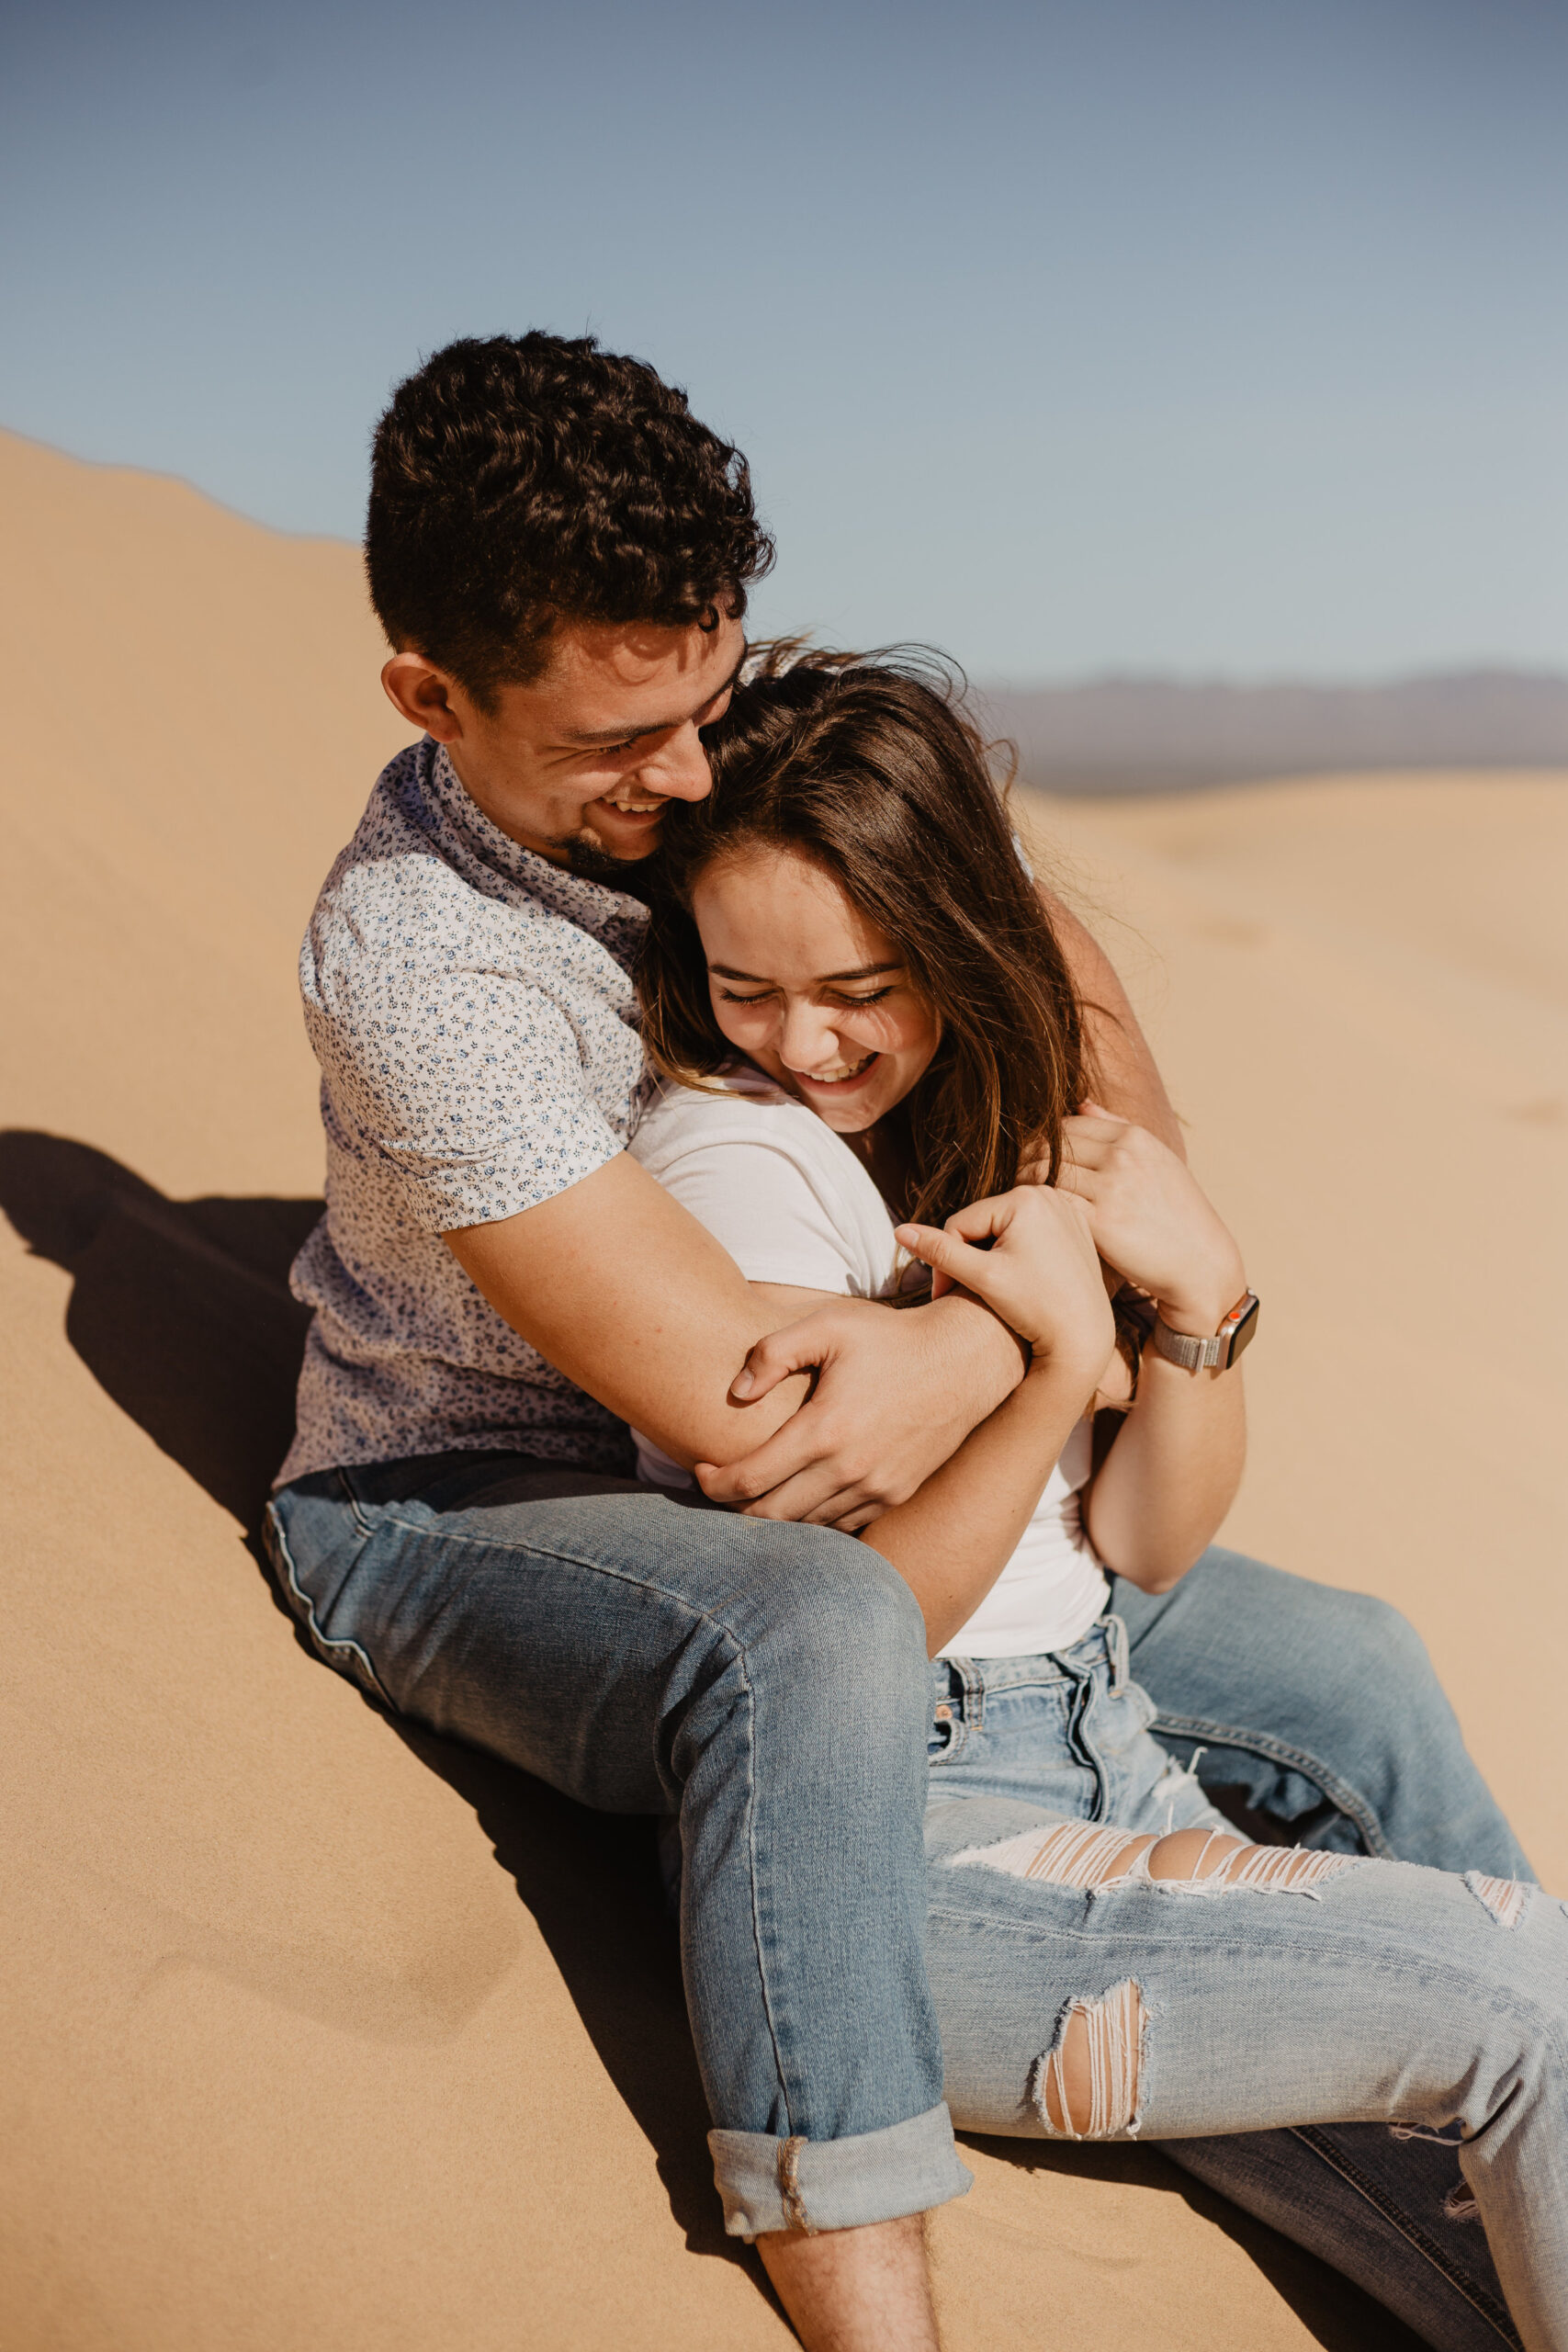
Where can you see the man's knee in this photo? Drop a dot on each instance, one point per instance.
(840, 1615)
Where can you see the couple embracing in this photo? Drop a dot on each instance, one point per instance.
(771, 1371)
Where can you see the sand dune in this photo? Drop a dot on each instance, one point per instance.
(323, 2034)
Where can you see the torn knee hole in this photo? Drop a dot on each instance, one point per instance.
(1502, 1898)
(1213, 1857)
(1067, 1853)
(1093, 1856)
(1086, 2085)
(1192, 1854)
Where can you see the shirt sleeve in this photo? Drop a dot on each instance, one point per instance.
(469, 1091)
(762, 1204)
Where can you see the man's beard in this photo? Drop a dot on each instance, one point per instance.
(584, 857)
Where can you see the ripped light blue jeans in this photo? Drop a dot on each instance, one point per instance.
(1390, 2042)
(764, 1687)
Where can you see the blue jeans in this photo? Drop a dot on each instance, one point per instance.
(1394, 1996)
(766, 1686)
(1322, 1706)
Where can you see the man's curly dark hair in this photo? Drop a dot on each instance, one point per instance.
(528, 481)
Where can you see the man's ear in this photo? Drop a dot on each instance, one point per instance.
(426, 696)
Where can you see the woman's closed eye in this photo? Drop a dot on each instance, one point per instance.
(832, 996)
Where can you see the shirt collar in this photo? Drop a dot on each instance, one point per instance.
(575, 895)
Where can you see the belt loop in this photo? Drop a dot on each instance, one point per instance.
(972, 1675)
(1116, 1643)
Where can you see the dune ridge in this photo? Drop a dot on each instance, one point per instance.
(321, 2031)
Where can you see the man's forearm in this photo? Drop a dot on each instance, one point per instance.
(894, 1399)
(624, 1291)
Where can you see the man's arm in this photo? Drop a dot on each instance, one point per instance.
(622, 1290)
(1124, 1074)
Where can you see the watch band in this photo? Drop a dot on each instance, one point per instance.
(1215, 1354)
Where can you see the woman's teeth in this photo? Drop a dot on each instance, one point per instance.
(628, 805)
(835, 1074)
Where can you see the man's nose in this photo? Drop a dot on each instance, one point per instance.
(679, 768)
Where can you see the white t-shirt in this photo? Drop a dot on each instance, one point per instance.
(791, 1203)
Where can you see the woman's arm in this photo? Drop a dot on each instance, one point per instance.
(1041, 1275)
(1126, 1076)
(1173, 1469)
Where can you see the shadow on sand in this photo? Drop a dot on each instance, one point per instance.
(180, 1311)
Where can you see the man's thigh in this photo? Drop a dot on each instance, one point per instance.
(579, 1626)
(1321, 1706)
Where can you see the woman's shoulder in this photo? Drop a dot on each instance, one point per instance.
(737, 1105)
(761, 1169)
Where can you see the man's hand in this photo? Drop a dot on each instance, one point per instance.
(622, 1290)
(897, 1393)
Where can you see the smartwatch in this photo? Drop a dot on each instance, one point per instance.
(1217, 1354)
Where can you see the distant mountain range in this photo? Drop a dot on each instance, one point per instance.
(1156, 734)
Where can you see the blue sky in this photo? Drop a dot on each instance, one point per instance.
(1201, 336)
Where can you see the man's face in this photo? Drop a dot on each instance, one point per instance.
(581, 764)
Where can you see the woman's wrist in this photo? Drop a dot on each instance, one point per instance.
(1198, 1308)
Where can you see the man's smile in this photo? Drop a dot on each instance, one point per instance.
(627, 801)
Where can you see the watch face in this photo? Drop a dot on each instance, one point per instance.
(1243, 1335)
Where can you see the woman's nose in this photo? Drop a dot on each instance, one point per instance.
(807, 1041)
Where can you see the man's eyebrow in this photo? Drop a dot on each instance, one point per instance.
(863, 972)
(655, 727)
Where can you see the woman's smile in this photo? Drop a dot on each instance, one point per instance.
(837, 1077)
(809, 990)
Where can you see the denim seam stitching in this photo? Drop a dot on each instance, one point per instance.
(753, 1874)
(324, 1642)
(356, 1509)
(1277, 1751)
(1413, 2234)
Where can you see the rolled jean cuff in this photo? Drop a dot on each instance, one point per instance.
(810, 2184)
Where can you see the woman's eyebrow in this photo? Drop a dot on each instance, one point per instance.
(863, 972)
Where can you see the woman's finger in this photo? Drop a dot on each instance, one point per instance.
(947, 1254)
(1073, 1176)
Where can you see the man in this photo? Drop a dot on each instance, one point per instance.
(560, 554)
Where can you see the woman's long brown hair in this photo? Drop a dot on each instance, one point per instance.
(867, 765)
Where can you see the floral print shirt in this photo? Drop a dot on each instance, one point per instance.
(471, 1008)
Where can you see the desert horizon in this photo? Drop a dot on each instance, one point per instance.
(254, 1926)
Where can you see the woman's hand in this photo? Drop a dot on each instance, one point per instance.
(1149, 1220)
(1041, 1274)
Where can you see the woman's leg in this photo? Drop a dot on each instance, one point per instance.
(1093, 1984)
(1323, 1706)
(1394, 2215)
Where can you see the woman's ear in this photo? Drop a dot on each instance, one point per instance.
(423, 695)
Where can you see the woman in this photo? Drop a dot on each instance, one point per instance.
(874, 1063)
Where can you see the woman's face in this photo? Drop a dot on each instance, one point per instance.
(808, 989)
